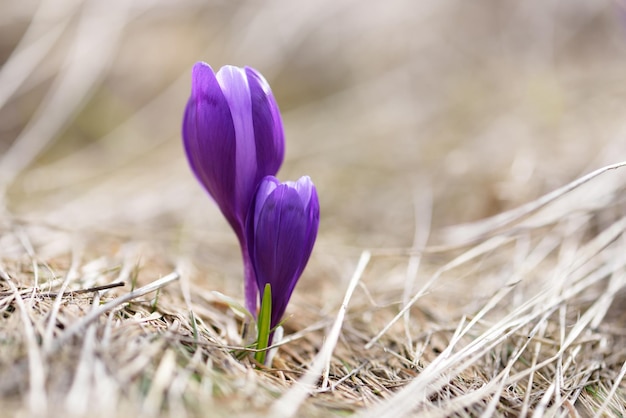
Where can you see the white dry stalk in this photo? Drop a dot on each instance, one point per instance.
(288, 404)
(542, 325)
(162, 378)
(52, 321)
(130, 370)
(37, 399)
(28, 247)
(422, 218)
(277, 339)
(180, 383)
(543, 403)
(78, 398)
(499, 222)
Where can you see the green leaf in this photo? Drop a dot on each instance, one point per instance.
(263, 324)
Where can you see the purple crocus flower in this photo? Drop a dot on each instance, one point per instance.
(281, 229)
(233, 137)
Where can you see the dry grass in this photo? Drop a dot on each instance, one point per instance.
(414, 119)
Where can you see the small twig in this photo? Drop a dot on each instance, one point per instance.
(87, 290)
(28, 293)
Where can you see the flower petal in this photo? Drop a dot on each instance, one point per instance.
(268, 126)
(209, 140)
(312, 210)
(266, 187)
(304, 187)
(234, 84)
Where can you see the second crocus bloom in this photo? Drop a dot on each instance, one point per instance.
(281, 230)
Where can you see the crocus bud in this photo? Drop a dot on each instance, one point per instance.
(233, 137)
(281, 229)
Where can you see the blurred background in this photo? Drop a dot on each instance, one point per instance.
(393, 108)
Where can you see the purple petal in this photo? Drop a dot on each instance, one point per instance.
(234, 84)
(313, 213)
(266, 187)
(209, 140)
(308, 194)
(304, 187)
(268, 126)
